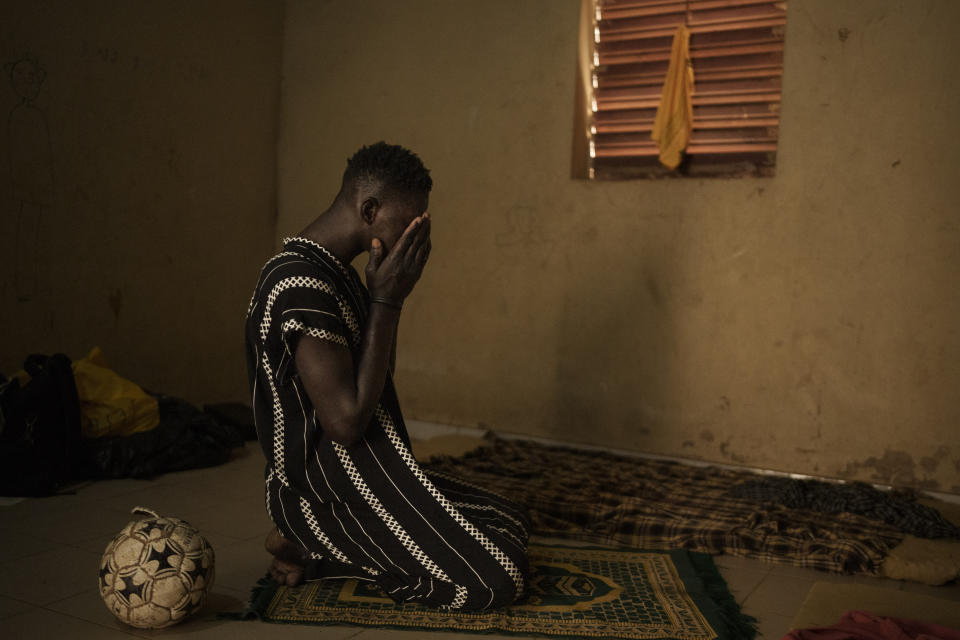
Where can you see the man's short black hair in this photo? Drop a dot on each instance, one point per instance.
(394, 167)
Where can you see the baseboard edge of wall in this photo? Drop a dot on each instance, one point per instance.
(422, 429)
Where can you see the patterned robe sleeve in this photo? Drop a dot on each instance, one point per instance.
(309, 308)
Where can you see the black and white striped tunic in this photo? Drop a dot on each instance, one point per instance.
(368, 511)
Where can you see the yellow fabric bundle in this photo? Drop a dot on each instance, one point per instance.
(674, 122)
(111, 405)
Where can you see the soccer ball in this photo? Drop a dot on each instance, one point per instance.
(156, 571)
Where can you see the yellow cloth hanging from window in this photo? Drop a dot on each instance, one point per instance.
(674, 122)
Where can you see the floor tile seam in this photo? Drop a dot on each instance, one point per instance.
(119, 492)
(43, 535)
(30, 522)
(758, 575)
(50, 603)
(71, 546)
(81, 548)
(96, 535)
(763, 579)
(20, 600)
(31, 554)
(16, 596)
(59, 546)
(93, 622)
(779, 612)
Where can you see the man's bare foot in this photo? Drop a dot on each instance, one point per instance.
(286, 573)
(288, 559)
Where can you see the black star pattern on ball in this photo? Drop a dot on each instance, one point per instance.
(161, 557)
(197, 570)
(104, 572)
(130, 588)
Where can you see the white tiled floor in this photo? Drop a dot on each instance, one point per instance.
(50, 549)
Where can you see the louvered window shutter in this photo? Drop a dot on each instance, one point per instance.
(736, 49)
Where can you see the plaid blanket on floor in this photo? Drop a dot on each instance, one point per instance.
(603, 498)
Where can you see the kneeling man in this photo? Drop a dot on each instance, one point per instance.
(342, 485)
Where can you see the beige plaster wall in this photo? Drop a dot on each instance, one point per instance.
(142, 178)
(806, 322)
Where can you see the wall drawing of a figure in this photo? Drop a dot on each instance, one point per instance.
(31, 170)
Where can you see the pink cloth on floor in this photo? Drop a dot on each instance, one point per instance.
(861, 625)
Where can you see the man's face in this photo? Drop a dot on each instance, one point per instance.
(395, 216)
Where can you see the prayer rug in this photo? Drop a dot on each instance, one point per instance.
(573, 593)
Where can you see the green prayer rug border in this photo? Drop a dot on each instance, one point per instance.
(689, 587)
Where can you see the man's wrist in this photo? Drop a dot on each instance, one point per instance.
(387, 302)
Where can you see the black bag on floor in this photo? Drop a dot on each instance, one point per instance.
(236, 415)
(186, 438)
(39, 428)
